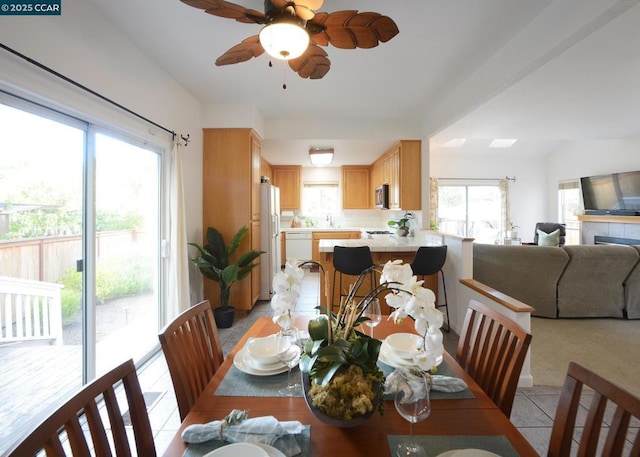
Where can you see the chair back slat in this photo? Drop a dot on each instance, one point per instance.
(492, 349)
(601, 435)
(192, 348)
(65, 430)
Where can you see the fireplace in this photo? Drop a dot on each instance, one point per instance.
(614, 240)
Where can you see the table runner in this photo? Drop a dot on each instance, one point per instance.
(437, 444)
(303, 439)
(236, 383)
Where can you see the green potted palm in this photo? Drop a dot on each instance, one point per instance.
(214, 262)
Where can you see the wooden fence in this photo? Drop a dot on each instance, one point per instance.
(47, 258)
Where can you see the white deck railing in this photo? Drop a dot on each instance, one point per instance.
(30, 311)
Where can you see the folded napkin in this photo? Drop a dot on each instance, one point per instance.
(237, 428)
(438, 382)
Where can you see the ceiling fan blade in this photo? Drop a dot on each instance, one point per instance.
(351, 29)
(228, 10)
(242, 52)
(313, 64)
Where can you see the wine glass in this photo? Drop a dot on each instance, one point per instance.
(373, 313)
(288, 352)
(412, 402)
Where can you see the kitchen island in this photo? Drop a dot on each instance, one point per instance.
(383, 249)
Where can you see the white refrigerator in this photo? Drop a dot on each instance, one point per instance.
(269, 238)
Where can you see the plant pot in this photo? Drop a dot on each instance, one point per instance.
(402, 231)
(224, 316)
(306, 386)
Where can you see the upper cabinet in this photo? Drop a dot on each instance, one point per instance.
(400, 167)
(287, 178)
(356, 188)
(231, 199)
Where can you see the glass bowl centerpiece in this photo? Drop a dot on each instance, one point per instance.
(342, 382)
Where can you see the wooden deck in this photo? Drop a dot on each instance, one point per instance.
(32, 380)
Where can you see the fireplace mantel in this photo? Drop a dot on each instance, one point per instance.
(609, 218)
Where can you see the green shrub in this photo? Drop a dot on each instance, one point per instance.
(116, 278)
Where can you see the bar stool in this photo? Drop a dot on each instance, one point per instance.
(351, 261)
(429, 260)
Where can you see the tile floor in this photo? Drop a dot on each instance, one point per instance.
(533, 408)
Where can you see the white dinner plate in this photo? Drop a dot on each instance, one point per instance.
(242, 363)
(468, 453)
(238, 450)
(272, 451)
(387, 356)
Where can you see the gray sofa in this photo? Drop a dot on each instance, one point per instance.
(569, 281)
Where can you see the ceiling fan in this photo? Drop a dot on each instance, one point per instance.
(348, 29)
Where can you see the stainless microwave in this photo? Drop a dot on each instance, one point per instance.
(382, 196)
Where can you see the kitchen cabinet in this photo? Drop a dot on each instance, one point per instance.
(330, 235)
(231, 198)
(287, 178)
(356, 190)
(400, 167)
(265, 169)
(283, 248)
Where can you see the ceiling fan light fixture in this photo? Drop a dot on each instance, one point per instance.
(284, 40)
(321, 156)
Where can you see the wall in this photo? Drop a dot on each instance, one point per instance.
(527, 193)
(575, 159)
(83, 46)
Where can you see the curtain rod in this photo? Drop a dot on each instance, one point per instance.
(508, 178)
(92, 92)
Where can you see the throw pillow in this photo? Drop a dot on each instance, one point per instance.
(549, 239)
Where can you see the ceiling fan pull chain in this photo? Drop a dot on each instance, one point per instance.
(284, 74)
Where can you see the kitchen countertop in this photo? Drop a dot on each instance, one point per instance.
(388, 243)
(322, 229)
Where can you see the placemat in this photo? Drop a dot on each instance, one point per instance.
(236, 383)
(437, 444)
(443, 369)
(303, 439)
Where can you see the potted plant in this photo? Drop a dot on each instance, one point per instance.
(214, 262)
(512, 233)
(403, 225)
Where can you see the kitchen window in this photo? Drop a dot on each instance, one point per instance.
(320, 201)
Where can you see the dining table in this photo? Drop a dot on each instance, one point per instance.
(463, 420)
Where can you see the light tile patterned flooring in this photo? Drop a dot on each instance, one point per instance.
(533, 409)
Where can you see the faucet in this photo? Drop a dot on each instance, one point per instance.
(329, 220)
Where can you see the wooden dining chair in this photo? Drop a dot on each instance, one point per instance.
(492, 349)
(614, 430)
(193, 351)
(91, 422)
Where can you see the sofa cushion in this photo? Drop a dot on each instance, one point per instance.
(548, 239)
(632, 291)
(592, 283)
(527, 273)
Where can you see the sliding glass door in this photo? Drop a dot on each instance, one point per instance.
(79, 256)
(127, 250)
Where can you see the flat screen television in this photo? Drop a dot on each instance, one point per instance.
(616, 193)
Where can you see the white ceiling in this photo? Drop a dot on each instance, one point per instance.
(541, 71)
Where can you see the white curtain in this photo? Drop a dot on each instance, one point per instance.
(178, 297)
(433, 202)
(506, 205)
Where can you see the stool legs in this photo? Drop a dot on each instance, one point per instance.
(446, 304)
